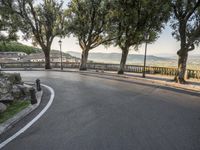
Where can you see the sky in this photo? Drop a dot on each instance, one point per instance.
(164, 45)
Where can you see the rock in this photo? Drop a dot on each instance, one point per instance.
(12, 88)
(16, 92)
(7, 98)
(3, 107)
(5, 86)
(21, 92)
(24, 89)
(14, 78)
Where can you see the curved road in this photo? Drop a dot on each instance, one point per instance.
(94, 113)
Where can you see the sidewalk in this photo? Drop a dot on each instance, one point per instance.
(192, 84)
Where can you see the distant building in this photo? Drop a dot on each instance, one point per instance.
(19, 54)
(11, 56)
(35, 57)
(73, 59)
(54, 57)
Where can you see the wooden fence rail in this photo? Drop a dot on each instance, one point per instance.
(195, 74)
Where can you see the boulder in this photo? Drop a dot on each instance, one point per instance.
(20, 92)
(16, 92)
(3, 107)
(12, 88)
(24, 89)
(7, 98)
(5, 86)
(14, 78)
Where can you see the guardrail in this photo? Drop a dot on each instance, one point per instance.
(107, 67)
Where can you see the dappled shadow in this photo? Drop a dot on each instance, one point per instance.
(194, 83)
(148, 84)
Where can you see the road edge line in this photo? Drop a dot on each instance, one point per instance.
(28, 125)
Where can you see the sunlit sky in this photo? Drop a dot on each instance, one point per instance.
(165, 45)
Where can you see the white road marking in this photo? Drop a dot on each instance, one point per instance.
(32, 121)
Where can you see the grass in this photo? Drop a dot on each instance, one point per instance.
(13, 109)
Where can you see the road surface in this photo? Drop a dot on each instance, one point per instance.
(96, 113)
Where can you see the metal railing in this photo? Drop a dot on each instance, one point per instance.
(195, 74)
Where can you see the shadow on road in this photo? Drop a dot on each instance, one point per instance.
(123, 79)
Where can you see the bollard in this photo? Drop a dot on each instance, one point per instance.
(38, 86)
(33, 96)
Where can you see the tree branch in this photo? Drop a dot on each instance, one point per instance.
(192, 10)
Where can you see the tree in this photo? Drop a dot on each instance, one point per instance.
(8, 24)
(42, 22)
(132, 20)
(88, 21)
(186, 25)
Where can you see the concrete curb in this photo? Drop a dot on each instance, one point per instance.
(10, 122)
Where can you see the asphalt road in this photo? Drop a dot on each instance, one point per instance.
(94, 113)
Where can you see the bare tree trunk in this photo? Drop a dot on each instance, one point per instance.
(123, 61)
(182, 63)
(182, 54)
(47, 59)
(84, 58)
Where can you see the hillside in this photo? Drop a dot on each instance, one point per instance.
(17, 47)
(63, 54)
(134, 59)
(115, 57)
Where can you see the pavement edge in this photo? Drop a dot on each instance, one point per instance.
(12, 121)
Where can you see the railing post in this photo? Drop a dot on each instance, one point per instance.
(188, 74)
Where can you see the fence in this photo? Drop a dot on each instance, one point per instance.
(107, 67)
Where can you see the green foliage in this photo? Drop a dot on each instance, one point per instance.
(134, 21)
(41, 21)
(186, 22)
(8, 22)
(17, 47)
(186, 25)
(88, 20)
(13, 109)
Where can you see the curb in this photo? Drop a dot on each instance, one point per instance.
(12, 121)
(29, 124)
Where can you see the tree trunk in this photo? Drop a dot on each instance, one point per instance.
(123, 61)
(47, 59)
(182, 63)
(84, 58)
(182, 54)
